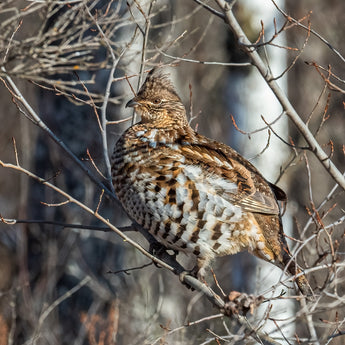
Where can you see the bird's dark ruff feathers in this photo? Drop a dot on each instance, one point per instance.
(191, 193)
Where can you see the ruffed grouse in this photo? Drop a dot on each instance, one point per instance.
(194, 194)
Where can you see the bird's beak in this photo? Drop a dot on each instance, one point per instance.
(132, 103)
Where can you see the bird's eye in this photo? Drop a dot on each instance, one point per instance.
(156, 101)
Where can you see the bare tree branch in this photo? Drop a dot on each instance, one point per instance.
(281, 96)
(38, 121)
(308, 29)
(164, 257)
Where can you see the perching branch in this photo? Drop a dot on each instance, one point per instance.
(162, 258)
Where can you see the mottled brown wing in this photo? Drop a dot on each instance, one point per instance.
(252, 193)
(259, 203)
(211, 172)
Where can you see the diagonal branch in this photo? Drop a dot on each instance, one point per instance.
(70, 199)
(245, 44)
(323, 40)
(165, 260)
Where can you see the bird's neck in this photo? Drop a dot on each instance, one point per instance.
(157, 135)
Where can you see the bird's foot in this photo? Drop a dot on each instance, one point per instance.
(156, 248)
(182, 276)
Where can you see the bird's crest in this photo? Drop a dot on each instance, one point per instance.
(157, 82)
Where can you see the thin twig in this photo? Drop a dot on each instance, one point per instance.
(144, 46)
(10, 221)
(58, 301)
(127, 270)
(115, 62)
(233, 64)
(308, 29)
(211, 9)
(189, 324)
(11, 39)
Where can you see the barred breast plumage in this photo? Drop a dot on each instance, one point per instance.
(191, 193)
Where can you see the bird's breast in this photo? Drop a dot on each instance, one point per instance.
(180, 203)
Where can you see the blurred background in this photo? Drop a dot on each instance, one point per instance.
(79, 60)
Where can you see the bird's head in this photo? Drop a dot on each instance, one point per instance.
(158, 103)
